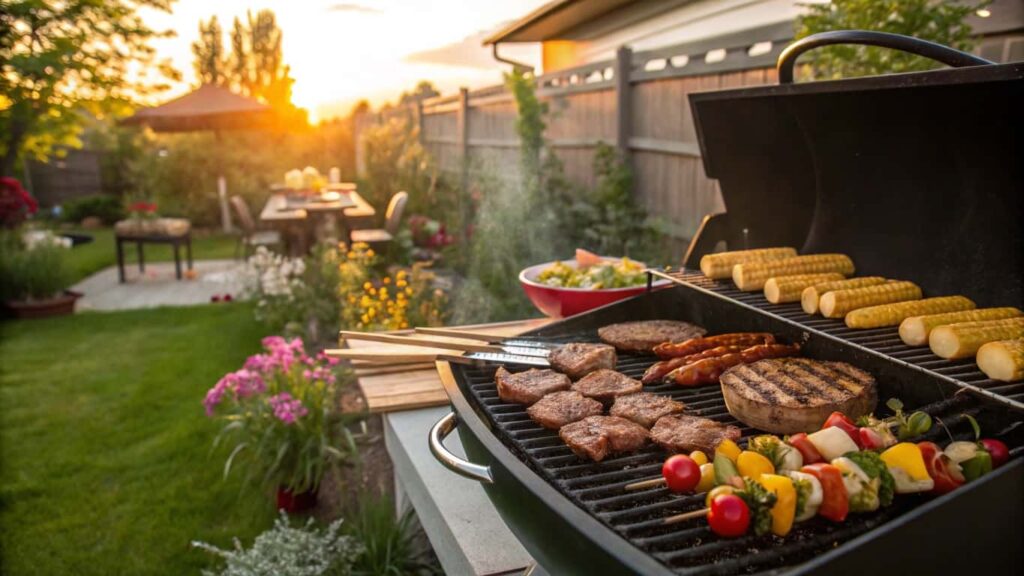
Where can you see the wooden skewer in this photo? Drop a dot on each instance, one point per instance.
(686, 516)
(645, 484)
(455, 333)
(424, 342)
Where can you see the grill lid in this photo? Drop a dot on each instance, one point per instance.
(917, 176)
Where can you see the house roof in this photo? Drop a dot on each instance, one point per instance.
(553, 19)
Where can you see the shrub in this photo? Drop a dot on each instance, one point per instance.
(32, 273)
(108, 209)
(290, 551)
(280, 414)
(389, 543)
(15, 203)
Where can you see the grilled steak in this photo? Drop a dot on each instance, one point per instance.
(560, 408)
(645, 408)
(644, 335)
(529, 386)
(605, 385)
(596, 437)
(578, 359)
(789, 395)
(677, 433)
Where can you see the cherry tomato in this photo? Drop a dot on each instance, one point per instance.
(729, 516)
(999, 452)
(681, 473)
(718, 491)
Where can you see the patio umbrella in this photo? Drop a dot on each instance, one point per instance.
(211, 108)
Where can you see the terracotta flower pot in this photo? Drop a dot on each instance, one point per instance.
(59, 306)
(293, 503)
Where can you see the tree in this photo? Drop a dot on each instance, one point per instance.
(64, 61)
(424, 89)
(208, 52)
(940, 21)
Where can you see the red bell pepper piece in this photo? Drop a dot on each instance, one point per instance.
(803, 445)
(839, 420)
(835, 504)
(869, 439)
(944, 472)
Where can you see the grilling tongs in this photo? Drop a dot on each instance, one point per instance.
(512, 351)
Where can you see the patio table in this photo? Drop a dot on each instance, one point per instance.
(299, 219)
(465, 530)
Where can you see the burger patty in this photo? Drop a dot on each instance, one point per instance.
(560, 408)
(790, 395)
(644, 335)
(645, 408)
(529, 386)
(605, 385)
(677, 433)
(579, 359)
(596, 437)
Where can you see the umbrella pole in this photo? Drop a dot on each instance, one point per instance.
(222, 194)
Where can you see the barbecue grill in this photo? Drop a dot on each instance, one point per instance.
(915, 176)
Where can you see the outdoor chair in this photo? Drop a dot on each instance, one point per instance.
(378, 237)
(251, 236)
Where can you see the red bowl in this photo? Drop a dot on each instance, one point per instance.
(558, 302)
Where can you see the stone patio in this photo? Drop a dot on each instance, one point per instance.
(158, 286)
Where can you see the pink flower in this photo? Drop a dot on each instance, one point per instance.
(287, 409)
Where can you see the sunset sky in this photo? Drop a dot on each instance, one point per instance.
(340, 52)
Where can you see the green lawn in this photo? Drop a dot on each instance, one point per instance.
(105, 463)
(87, 259)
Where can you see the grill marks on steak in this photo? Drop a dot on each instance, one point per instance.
(605, 385)
(578, 359)
(645, 408)
(787, 395)
(560, 408)
(678, 433)
(644, 335)
(529, 386)
(596, 437)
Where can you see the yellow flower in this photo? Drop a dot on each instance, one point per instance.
(367, 286)
(387, 280)
(408, 291)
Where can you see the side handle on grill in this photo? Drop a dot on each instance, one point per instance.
(438, 432)
(937, 52)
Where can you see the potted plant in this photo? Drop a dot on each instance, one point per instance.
(34, 275)
(281, 420)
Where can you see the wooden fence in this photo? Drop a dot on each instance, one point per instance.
(636, 102)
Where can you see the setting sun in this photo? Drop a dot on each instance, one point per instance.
(342, 52)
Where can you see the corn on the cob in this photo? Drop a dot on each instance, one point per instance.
(893, 314)
(1002, 360)
(914, 331)
(962, 340)
(782, 289)
(812, 294)
(837, 303)
(719, 266)
(750, 276)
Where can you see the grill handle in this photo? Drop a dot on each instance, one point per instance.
(937, 52)
(438, 432)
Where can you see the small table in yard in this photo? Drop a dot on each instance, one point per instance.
(162, 231)
(299, 217)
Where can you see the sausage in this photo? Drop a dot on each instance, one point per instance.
(658, 370)
(668, 350)
(708, 370)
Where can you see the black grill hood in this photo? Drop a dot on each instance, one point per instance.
(915, 176)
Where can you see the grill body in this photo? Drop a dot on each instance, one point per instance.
(575, 517)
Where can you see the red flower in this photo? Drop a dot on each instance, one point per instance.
(15, 203)
(145, 207)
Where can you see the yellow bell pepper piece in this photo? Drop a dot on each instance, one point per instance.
(699, 457)
(729, 449)
(751, 465)
(707, 477)
(785, 505)
(907, 457)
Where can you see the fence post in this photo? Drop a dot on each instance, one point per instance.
(623, 109)
(419, 120)
(463, 145)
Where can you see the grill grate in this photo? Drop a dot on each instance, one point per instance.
(687, 548)
(885, 341)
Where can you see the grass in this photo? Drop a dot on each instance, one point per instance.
(105, 449)
(87, 259)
